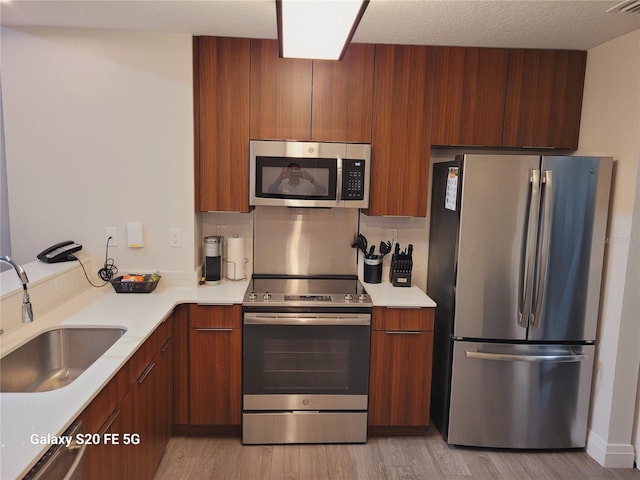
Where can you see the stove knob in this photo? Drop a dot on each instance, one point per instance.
(348, 297)
(362, 297)
(252, 295)
(266, 296)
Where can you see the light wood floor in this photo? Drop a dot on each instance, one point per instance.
(381, 458)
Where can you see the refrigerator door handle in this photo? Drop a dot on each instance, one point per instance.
(543, 267)
(505, 357)
(530, 249)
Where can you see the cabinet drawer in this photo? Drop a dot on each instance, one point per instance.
(148, 350)
(224, 316)
(402, 319)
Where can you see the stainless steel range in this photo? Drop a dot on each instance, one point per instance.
(305, 360)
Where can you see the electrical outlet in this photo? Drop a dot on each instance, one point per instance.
(392, 235)
(113, 233)
(175, 237)
(221, 230)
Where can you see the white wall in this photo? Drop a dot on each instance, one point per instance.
(611, 126)
(632, 303)
(99, 132)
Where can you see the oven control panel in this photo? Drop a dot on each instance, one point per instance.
(307, 298)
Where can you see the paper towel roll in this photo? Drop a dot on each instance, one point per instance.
(235, 258)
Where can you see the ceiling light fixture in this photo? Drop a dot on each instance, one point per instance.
(627, 6)
(318, 29)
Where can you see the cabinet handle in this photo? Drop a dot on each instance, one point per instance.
(402, 332)
(166, 345)
(214, 329)
(146, 372)
(404, 307)
(110, 421)
(217, 304)
(75, 467)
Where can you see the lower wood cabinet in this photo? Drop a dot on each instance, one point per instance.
(132, 416)
(400, 369)
(148, 405)
(215, 359)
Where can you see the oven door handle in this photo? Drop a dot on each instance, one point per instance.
(295, 319)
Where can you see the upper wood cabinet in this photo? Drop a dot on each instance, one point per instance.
(401, 99)
(280, 94)
(544, 98)
(221, 107)
(469, 96)
(403, 92)
(294, 99)
(342, 101)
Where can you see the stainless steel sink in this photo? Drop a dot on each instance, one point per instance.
(54, 358)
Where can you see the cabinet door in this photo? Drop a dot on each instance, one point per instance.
(342, 101)
(215, 357)
(142, 411)
(469, 95)
(163, 426)
(181, 365)
(403, 87)
(135, 409)
(215, 376)
(106, 459)
(221, 103)
(544, 98)
(400, 378)
(280, 94)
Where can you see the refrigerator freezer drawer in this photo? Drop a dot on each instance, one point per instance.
(520, 396)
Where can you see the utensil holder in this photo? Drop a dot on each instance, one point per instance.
(373, 270)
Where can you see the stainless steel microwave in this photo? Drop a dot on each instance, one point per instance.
(309, 174)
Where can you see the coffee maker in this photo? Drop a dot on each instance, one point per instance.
(213, 260)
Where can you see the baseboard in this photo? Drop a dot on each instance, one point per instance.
(386, 431)
(207, 430)
(609, 455)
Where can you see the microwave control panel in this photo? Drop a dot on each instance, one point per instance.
(353, 174)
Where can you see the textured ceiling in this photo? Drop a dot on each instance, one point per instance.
(570, 24)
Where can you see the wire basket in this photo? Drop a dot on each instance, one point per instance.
(135, 283)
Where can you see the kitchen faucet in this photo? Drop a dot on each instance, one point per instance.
(27, 311)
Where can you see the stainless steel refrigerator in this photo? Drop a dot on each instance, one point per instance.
(515, 265)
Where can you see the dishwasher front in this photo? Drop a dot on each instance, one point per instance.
(61, 461)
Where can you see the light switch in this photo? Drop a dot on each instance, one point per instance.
(135, 238)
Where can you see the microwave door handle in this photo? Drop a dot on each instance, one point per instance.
(338, 179)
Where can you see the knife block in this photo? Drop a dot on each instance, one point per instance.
(400, 272)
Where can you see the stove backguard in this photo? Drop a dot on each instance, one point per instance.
(304, 241)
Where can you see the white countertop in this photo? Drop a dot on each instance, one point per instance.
(50, 413)
(25, 414)
(386, 295)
